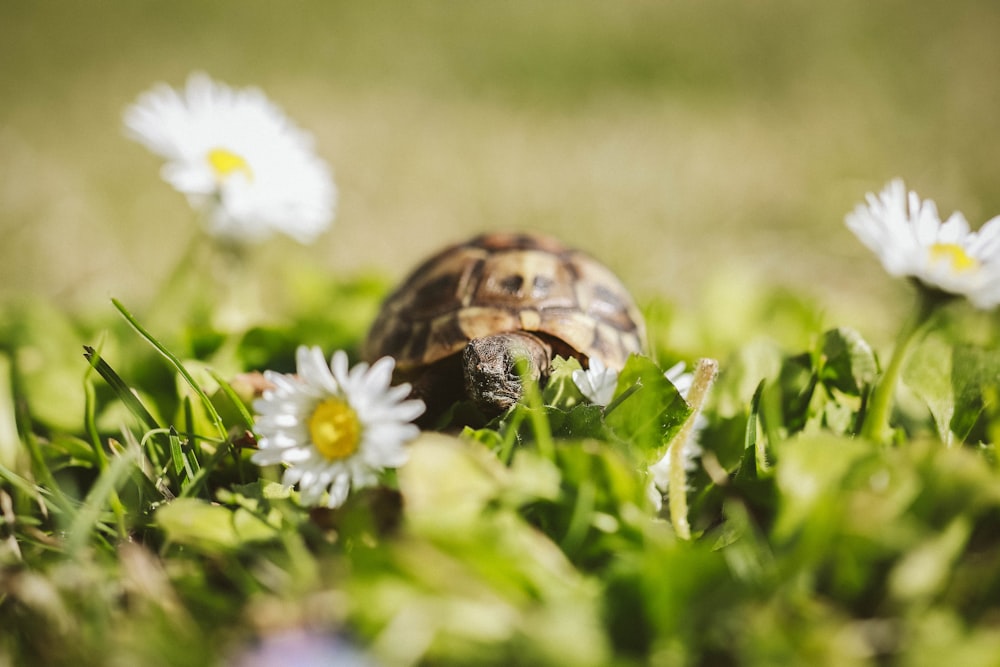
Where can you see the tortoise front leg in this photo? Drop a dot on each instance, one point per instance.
(490, 366)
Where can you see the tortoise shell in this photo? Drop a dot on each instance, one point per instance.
(502, 282)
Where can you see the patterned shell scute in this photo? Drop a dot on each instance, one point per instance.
(507, 282)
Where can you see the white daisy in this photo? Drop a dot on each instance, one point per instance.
(597, 383)
(909, 238)
(335, 428)
(237, 158)
(679, 378)
(660, 471)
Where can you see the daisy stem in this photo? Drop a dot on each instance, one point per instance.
(239, 304)
(171, 289)
(178, 366)
(876, 422)
(704, 375)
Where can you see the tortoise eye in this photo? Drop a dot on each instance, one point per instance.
(512, 377)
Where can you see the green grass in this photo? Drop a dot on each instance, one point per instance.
(137, 530)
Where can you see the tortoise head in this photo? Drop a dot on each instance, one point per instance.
(492, 372)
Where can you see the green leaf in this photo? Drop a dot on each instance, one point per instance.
(560, 390)
(741, 375)
(754, 461)
(952, 380)
(924, 571)
(847, 361)
(46, 368)
(211, 528)
(447, 483)
(975, 373)
(489, 437)
(601, 491)
(258, 490)
(810, 476)
(928, 372)
(790, 397)
(581, 422)
(650, 413)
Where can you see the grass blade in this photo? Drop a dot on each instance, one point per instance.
(200, 477)
(177, 456)
(230, 393)
(39, 466)
(194, 444)
(90, 412)
(33, 491)
(122, 390)
(103, 492)
(178, 366)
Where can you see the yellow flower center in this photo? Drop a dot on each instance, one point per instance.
(953, 254)
(225, 163)
(334, 429)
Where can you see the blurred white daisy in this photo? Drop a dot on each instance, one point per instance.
(597, 383)
(660, 471)
(335, 428)
(909, 238)
(237, 158)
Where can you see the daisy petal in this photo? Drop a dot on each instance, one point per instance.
(360, 423)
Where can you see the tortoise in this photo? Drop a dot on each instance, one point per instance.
(459, 324)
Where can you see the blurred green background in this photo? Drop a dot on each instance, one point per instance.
(689, 144)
